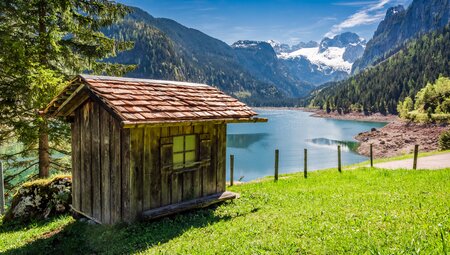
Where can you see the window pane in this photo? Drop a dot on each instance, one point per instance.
(178, 143)
(190, 142)
(178, 158)
(190, 156)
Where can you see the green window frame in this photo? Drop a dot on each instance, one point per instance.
(184, 151)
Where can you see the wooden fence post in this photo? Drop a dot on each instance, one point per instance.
(371, 155)
(339, 159)
(277, 152)
(231, 170)
(416, 152)
(305, 167)
(2, 190)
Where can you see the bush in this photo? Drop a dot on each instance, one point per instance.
(444, 140)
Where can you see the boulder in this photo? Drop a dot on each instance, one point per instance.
(41, 199)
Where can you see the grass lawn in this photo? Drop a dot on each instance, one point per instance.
(362, 211)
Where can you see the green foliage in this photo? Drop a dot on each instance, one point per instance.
(431, 103)
(380, 88)
(403, 108)
(434, 98)
(355, 212)
(44, 43)
(444, 140)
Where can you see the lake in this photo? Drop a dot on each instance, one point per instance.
(291, 131)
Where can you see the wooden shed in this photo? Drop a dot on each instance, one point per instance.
(146, 148)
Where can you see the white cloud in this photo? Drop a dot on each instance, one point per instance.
(358, 3)
(373, 12)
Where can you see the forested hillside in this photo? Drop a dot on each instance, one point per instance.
(401, 25)
(165, 49)
(380, 88)
(260, 59)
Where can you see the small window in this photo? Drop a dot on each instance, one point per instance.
(184, 151)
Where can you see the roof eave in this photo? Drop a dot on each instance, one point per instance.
(157, 123)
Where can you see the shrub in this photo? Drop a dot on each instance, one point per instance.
(444, 140)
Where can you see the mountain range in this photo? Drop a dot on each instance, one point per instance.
(410, 48)
(256, 72)
(318, 63)
(165, 49)
(401, 25)
(308, 64)
(269, 73)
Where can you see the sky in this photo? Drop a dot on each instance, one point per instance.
(286, 21)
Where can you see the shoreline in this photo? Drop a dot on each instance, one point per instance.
(317, 113)
(399, 138)
(396, 138)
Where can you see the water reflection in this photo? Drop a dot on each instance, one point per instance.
(330, 143)
(243, 141)
(253, 144)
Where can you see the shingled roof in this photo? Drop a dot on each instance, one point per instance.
(137, 101)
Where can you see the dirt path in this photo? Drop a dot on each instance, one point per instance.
(430, 162)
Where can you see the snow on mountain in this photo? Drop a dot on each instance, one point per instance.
(273, 43)
(331, 58)
(245, 44)
(279, 47)
(332, 54)
(310, 62)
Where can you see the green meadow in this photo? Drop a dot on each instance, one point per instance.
(359, 211)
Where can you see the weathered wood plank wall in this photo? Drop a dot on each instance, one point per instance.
(95, 162)
(116, 180)
(118, 173)
(76, 162)
(99, 159)
(85, 141)
(222, 157)
(154, 182)
(105, 158)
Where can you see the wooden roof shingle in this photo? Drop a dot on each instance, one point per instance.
(137, 101)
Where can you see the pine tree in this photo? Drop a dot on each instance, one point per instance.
(44, 42)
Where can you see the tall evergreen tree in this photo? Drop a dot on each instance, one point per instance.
(44, 42)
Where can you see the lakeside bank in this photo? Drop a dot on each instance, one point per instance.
(396, 138)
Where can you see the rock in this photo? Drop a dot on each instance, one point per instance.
(41, 199)
(373, 130)
(382, 142)
(91, 222)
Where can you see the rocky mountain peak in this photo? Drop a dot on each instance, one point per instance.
(301, 45)
(341, 41)
(249, 44)
(279, 47)
(396, 10)
(400, 25)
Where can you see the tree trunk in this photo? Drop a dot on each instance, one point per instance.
(44, 156)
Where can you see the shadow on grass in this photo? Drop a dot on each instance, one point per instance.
(83, 238)
(14, 226)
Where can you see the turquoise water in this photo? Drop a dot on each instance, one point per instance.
(291, 131)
